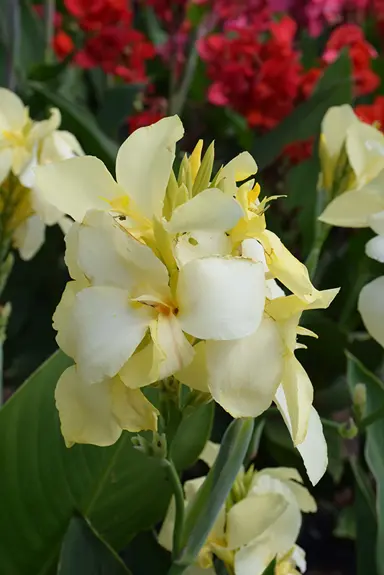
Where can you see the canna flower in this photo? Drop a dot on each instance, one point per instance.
(352, 157)
(261, 521)
(24, 144)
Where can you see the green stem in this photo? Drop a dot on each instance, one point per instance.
(179, 503)
(321, 234)
(176, 569)
(49, 17)
(371, 418)
(178, 101)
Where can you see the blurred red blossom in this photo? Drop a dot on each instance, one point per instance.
(297, 152)
(154, 109)
(372, 113)
(257, 78)
(99, 13)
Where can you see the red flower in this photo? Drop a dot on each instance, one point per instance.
(258, 79)
(156, 109)
(297, 152)
(372, 113)
(96, 14)
(63, 44)
(361, 54)
(309, 81)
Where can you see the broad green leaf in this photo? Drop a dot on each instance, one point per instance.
(346, 523)
(84, 553)
(145, 556)
(119, 490)
(187, 446)
(203, 510)
(117, 107)
(82, 124)
(374, 453)
(47, 72)
(366, 533)
(334, 89)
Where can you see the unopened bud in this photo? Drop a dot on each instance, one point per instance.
(156, 448)
(348, 430)
(360, 400)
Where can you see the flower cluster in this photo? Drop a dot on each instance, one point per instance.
(259, 78)
(260, 521)
(352, 156)
(176, 276)
(110, 39)
(24, 144)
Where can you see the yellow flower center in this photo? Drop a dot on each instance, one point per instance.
(14, 138)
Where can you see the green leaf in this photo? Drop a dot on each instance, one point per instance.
(374, 454)
(187, 445)
(46, 72)
(117, 107)
(85, 553)
(270, 570)
(203, 510)
(346, 523)
(79, 121)
(366, 534)
(119, 490)
(334, 89)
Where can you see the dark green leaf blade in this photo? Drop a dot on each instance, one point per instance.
(84, 553)
(117, 107)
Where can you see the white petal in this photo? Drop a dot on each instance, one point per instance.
(211, 210)
(47, 212)
(376, 222)
(62, 317)
(106, 328)
(237, 170)
(199, 244)
(144, 163)
(137, 371)
(29, 237)
(252, 517)
(365, 149)
(298, 555)
(210, 453)
(243, 375)
(304, 499)
(375, 249)
(77, 185)
(131, 408)
(334, 127)
(85, 410)
(41, 130)
(195, 375)
(353, 209)
(298, 392)
(313, 449)
(172, 351)
(60, 145)
(253, 559)
(253, 250)
(371, 308)
(221, 298)
(13, 114)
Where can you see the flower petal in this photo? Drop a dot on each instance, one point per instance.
(365, 149)
(334, 127)
(77, 185)
(353, 209)
(5, 163)
(298, 391)
(172, 350)
(137, 371)
(106, 328)
(195, 374)
(252, 517)
(29, 237)
(85, 410)
(199, 244)
(221, 298)
(13, 113)
(62, 317)
(376, 223)
(243, 375)
(144, 163)
(371, 308)
(237, 170)
(253, 559)
(211, 210)
(375, 248)
(131, 408)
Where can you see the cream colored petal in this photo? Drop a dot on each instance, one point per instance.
(283, 473)
(41, 130)
(252, 517)
(131, 408)
(29, 237)
(376, 222)
(199, 244)
(165, 536)
(107, 329)
(353, 209)
(65, 224)
(221, 298)
(60, 145)
(284, 308)
(144, 163)
(335, 124)
(47, 212)
(211, 210)
(253, 559)
(172, 351)
(85, 410)
(210, 453)
(195, 374)
(12, 111)
(77, 185)
(313, 449)
(137, 371)
(298, 391)
(5, 163)
(243, 375)
(71, 252)
(375, 248)
(237, 170)
(253, 250)
(371, 308)
(365, 149)
(286, 268)
(298, 555)
(304, 499)
(62, 317)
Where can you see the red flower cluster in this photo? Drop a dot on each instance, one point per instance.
(372, 113)
(155, 108)
(111, 42)
(259, 78)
